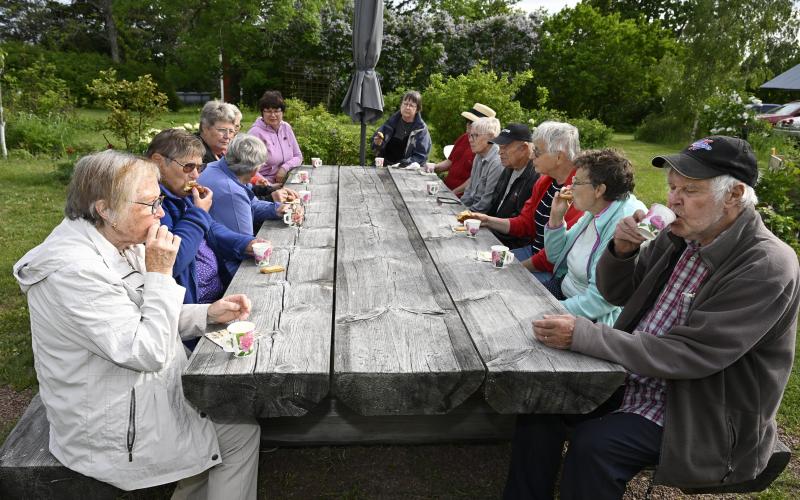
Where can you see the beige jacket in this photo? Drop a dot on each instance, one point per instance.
(108, 358)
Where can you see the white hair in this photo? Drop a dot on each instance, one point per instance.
(245, 154)
(722, 185)
(486, 125)
(558, 136)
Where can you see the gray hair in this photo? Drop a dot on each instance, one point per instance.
(217, 111)
(245, 154)
(558, 136)
(722, 184)
(486, 125)
(112, 176)
(237, 115)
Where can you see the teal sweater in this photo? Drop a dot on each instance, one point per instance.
(558, 242)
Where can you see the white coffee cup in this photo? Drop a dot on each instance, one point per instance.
(316, 162)
(432, 187)
(305, 195)
(657, 218)
(287, 217)
(302, 176)
(472, 225)
(243, 336)
(262, 252)
(501, 256)
(378, 161)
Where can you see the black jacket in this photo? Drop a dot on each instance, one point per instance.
(512, 204)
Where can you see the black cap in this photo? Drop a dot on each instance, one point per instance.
(513, 132)
(714, 156)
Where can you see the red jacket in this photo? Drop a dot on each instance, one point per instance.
(461, 158)
(525, 225)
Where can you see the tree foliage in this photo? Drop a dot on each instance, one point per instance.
(601, 66)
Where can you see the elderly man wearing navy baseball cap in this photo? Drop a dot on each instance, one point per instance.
(707, 336)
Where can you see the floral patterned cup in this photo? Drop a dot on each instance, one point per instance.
(378, 161)
(262, 252)
(472, 225)
(305, 195)
(243, 334)
(657, 218)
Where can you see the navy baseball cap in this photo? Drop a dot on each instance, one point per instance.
(714, 156)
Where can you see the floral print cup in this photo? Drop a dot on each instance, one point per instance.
(262, 252)
(305, 195)
(501, 256)
(243, 334)
(657, 218)
(472, 225)
(378, 161)
(302, 176)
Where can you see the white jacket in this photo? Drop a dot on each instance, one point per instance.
(109, 358)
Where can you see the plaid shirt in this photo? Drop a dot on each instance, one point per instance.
(646, 396)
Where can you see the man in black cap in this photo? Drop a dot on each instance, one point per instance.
(516, 182)
(707, 335)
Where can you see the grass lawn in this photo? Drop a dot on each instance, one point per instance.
(31, 203)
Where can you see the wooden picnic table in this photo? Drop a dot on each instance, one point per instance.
(384, 312)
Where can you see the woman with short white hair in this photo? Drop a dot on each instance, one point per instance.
(486, 167)
(219, 124)
(107, 319)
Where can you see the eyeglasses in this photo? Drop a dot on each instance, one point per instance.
(409, 104)
(474, 137)
(538, 152)
(580, 183)
(154, 206)
(187, 167)
(226, 131)
(271, 111)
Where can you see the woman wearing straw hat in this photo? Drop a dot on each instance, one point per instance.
(459, 165)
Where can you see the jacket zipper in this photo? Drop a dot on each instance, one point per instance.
(732, 443)
(132, 425)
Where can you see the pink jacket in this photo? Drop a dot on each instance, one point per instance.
(281, 145)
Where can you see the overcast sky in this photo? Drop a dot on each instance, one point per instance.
(551, 6)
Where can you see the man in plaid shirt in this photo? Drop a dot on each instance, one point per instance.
(707, 336)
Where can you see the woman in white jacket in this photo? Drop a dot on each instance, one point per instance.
(106, 322)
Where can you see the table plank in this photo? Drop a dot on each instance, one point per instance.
(497, 307)
(399, 346)
(289, 374)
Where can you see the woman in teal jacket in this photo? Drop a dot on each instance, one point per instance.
(602, 187)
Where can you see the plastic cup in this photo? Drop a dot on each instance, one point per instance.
(262, 251)
(657, 218)
(244, 338)
(472, 225)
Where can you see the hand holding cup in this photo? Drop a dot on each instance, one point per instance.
(627, 238)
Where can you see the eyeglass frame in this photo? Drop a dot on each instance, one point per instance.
(154, 205)
(189, 166)
(473, 137)
(226, 132)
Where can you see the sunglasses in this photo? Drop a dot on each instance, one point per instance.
(187, 167)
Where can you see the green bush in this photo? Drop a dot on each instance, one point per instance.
(51, 135)
(37, 90)
(323, 135)
(594, 134)
(778, 193)
(663, 129)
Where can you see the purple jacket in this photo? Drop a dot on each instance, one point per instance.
(281, 145)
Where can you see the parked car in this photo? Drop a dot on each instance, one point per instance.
(789, 110)
(789, 126)
(763, 108)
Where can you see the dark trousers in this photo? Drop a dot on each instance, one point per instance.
(605, 451)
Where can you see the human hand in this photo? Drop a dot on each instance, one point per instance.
(284, 195)
(202, 201)
(249, 249)
(262, 181)
(559, 207)
(626, 235)
(160, 249)
(280, 175)
(481, 217)
(230, 308)
(555, 330)
(378, 139)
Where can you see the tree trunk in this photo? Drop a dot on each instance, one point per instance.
(3, 149)
(105, 8)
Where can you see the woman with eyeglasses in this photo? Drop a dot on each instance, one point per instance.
(219, 124)
(602, 188)
(205, 243)
(486, 167)
(404, 138)
(107, 319)
(282, 147)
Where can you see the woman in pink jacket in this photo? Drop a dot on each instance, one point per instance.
(284, 152)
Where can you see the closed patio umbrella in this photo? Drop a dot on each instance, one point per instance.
(364, 101)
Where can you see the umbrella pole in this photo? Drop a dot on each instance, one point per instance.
(362, 151)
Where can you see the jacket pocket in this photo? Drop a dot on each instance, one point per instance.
(731, 446)
(131, 435)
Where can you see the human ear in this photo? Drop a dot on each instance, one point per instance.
(735, 194)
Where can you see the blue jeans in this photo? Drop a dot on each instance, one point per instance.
(605, 451)
(525, 253)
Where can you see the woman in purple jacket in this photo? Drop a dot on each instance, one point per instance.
(284, 152)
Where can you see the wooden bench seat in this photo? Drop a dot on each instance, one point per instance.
(28, 471)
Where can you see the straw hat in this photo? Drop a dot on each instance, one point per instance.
(478, 111)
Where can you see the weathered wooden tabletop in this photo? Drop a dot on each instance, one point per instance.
(386, 311)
